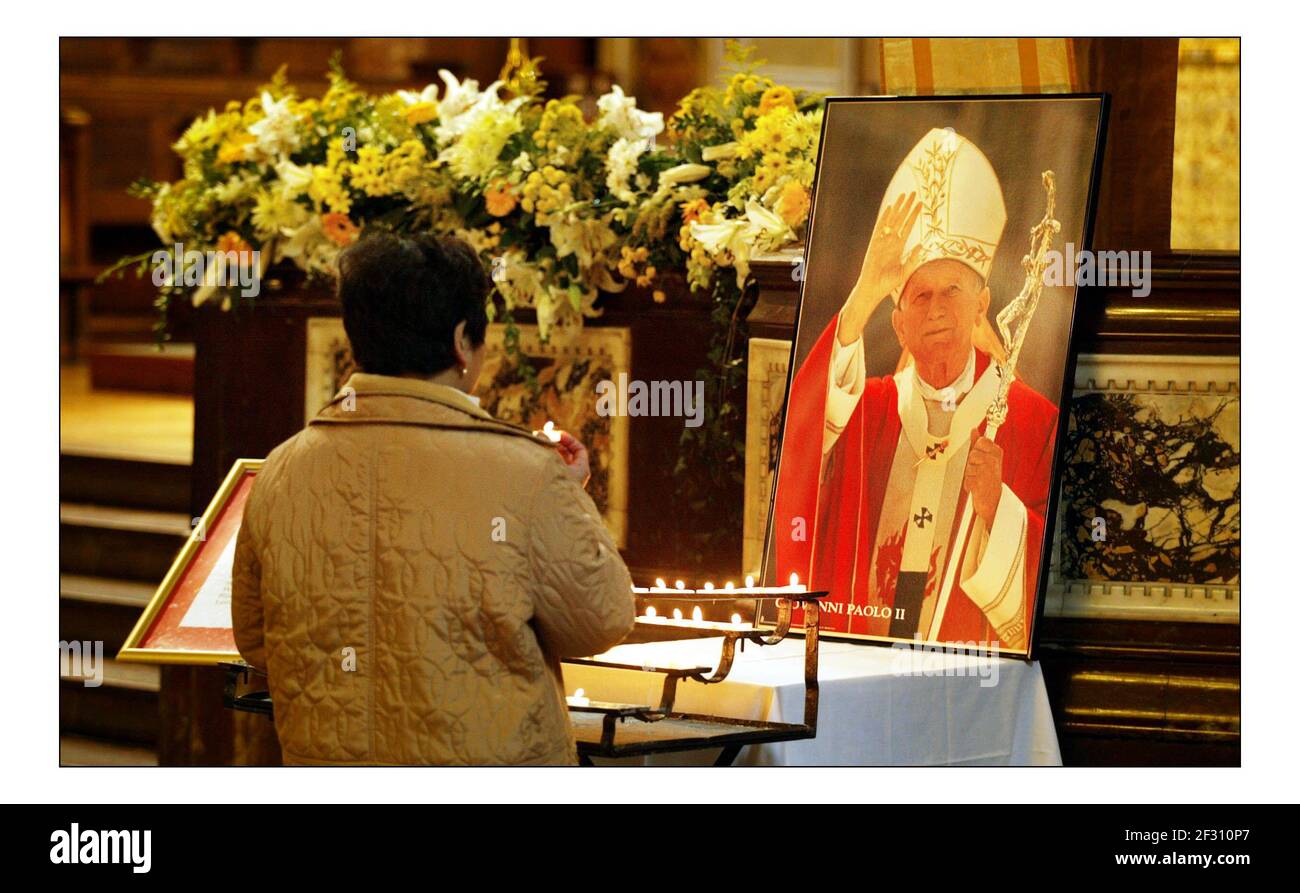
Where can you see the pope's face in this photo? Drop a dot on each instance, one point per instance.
(937, 312)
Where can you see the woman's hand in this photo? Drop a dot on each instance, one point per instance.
(575, 457)
(883, 268)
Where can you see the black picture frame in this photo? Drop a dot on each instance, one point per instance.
(1100, 103)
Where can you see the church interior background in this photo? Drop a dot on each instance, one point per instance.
(1140, 645)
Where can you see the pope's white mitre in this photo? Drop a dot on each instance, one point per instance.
(962, 212)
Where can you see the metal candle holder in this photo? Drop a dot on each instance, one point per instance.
(660, 729)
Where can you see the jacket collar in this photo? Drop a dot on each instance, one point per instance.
(370, 385)
(388, 400)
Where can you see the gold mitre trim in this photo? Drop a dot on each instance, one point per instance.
(962, 210)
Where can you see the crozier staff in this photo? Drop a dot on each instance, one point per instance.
(410, 570)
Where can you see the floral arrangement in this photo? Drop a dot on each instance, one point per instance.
(541, 193)
(562, 208)
(748, 154)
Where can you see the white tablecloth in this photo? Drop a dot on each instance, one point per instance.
(869, 714)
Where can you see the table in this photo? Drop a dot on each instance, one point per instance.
(870, 715)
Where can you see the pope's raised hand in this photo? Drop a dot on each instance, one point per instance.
(884, 268)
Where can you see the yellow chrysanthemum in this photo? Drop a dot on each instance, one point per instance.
(208, 131)
(328, 188)
(776, 97)
(401, 170)
(474, 155)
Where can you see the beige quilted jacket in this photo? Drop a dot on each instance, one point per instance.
(410, 571)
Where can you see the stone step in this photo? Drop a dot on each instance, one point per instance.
(99, 477)
(100, 609)
(75, 750)
(119, 543)
(123, 708)
(142, 367)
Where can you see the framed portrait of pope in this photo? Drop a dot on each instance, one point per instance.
(931, 358)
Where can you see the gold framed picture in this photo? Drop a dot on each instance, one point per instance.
(561, 389)
(188, 619)
(1150, 520)
(769, 370)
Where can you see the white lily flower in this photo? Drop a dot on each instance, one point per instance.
(211, 279)
(460, 95)
(235, 188)
(620, 114)
(620, 165)
(720, 151)
(294, 178)
(428, 94)
(683, 173)
(307, 247)
(466, 108)
(764, 223)
(588, 239)
(718, 237)
(277, 133)
(758, 230)
(463, 105)
(520, 282)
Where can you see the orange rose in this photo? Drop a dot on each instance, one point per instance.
(500, 200)
(233, 242)
(339, 229)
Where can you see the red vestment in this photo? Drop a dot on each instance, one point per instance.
(839, 497)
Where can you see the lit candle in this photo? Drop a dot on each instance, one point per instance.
(735, 620)
(550, 432)
(579, 699)
(697, 615)
(661, 588)
(677, 613)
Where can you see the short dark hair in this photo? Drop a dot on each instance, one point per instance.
(403, 297)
